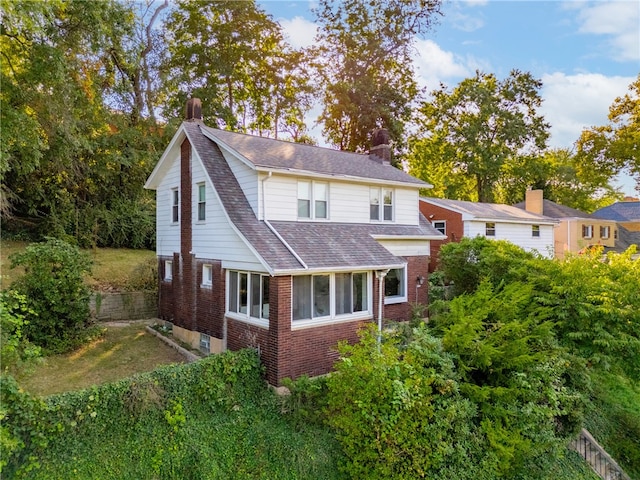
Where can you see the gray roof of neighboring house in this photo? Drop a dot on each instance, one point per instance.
(625, 239)
(495, 211)
(318, 244)
(620, 212)
(278, 154)
(555, 210)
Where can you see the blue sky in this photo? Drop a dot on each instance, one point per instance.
(585, 53)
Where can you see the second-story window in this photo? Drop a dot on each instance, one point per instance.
(535, 230)
(381, 204)
(175, 205)
(312, 200)
(202, 202)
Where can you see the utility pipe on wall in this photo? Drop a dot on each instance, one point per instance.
(380, 274)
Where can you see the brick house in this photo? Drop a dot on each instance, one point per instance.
(284, 247)
(457, 219)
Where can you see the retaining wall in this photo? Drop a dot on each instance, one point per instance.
(124, 305)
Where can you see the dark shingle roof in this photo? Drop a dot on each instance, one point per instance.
(620, 212)
(555, 210)
(278, 154)
(495, 211)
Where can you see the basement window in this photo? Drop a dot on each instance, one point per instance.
(205, 343)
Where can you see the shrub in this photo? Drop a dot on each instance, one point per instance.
(16, 352)
(56, 294)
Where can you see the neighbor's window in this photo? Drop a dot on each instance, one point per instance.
(175, 204)
(615, 234)
(605, 232)
(202, 202)
(440, 226)
(249, 294)
(207, 275)
(380, 204)
(587, 231)
(535, 230)
(490, 229)
(312, 194)
(168, 270)
(330, 295)
(395, 285)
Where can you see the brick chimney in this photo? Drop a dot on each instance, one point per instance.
(533, 201)
(193, 110)
(380, 151)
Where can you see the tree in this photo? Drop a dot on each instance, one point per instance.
(365, 66)
(480, 127)
(606, 150)
(232, 56)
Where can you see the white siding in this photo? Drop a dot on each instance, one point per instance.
(518, 234)
(167, 232)
(407, 248)
(348, 202)
(247, 178)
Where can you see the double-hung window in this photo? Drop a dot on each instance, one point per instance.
(249, 295)
(395, 286)
(313, 200)
(535, 230)
(605, 232)
(490, 229)
(202, 202)
(381, 204)
(587, 231)
(175, 205)
(328, 296)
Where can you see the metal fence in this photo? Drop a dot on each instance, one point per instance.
(597, 458)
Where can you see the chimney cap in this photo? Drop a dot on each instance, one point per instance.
(193, 110)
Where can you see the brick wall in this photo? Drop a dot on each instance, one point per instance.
(454, 228)
(416, 266)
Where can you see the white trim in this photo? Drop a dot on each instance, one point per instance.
(397, 298)
(258, 322)
(323, 321)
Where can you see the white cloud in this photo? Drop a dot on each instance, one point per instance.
(619, 21)
(434, 65)
(298, 31)
(575, 102)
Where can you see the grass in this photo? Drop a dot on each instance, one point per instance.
(112, 267)
(122, 352)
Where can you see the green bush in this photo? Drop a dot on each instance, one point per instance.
(16, 352)
(56, 295)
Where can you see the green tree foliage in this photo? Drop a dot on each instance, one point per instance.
(57, 298)
(17, 353)
(365, 66)
(475, 131)
(233, 57)
(606, 150)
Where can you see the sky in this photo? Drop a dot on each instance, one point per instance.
(586, 53)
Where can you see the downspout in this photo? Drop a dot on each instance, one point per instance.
(275, 232)
(380, 274)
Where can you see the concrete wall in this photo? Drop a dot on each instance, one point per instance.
(123, 306)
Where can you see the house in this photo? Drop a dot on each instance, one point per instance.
(577, 230)
(626, 214)
(284, 247)
(457, 219)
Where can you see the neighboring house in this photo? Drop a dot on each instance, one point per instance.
(282, 246)
(627, 215)
(457, 219)
(577, 230)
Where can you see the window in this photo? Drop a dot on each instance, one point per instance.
(395, 285)
(207, 275)
(249, 295)
(168, 270)
(490, 229)
(615, 234)
(205, 343)
(202, 202)
(381, 204)
(312, 193)
(440, 226)
(175, 205)
(328, 296)
(535, 230)
(587, 231)
(605, 232)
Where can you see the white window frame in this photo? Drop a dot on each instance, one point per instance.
(535, 231)
(587, 231)
(488, 229)
(605, 232)
(207, 275)
(237, 314)
(332, 316)
(311, 195)
(201, 204)
(401, 298)
(168, 270)
(175, 206)
(443, 229)
(205, 343)
(380, 193)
